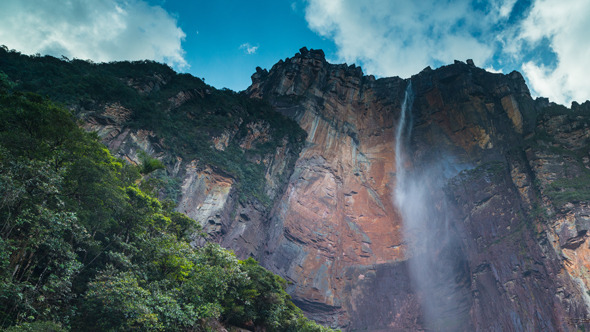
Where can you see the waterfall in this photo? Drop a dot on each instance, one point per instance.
(437, 265)
(402, 126)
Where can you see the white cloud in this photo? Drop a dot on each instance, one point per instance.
(402, 37)
(494, 70)
(565, 24)
(100, 30)
(249, 49)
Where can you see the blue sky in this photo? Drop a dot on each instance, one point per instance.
(224, 40)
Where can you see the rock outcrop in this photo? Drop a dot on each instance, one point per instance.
(207, 191)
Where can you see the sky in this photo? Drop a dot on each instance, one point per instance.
(223, 41)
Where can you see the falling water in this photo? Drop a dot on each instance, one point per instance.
(402, 126)
(436, 264)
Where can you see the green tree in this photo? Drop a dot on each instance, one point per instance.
(116, 302)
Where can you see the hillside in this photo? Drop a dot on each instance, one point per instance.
(451, 200)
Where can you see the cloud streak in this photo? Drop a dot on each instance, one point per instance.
(99, 30)
(249, 49)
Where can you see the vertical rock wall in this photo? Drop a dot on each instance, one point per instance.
(337, 234)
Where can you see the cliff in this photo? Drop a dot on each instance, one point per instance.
(518, 239)
(470, 214)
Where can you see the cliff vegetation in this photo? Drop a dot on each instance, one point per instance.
(82, 247)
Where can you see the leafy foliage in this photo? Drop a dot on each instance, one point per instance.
(149, 164)
(564, 190)
(82, 247)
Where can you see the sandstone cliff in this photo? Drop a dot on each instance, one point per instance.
(230, 199)
(518, 264)
(519, 252)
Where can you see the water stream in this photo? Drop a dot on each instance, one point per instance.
(436, 262)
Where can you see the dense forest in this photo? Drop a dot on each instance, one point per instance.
(83, 246)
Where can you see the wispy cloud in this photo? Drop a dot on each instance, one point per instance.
(249, 49)
(100, 30)
(505, 8)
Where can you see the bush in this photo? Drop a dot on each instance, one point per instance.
(36, 327)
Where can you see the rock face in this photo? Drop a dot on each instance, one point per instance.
(203, 191)
(516, 261)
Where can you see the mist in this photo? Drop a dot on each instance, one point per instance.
(436, 261)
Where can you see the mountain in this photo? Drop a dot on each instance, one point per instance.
(451, 200)
(495, 191)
